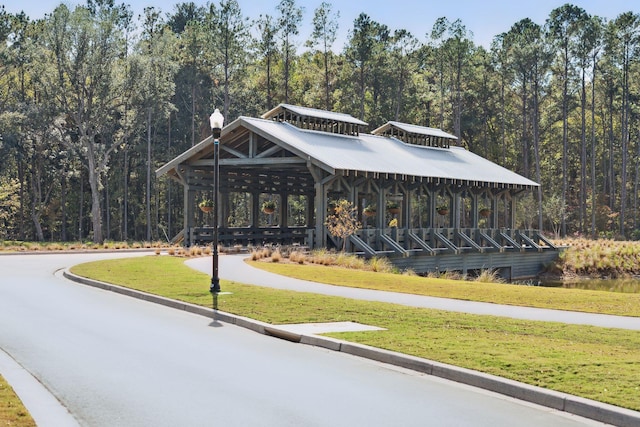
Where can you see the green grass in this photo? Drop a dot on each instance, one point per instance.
(498, 293)
(596, 363)
(12, 411)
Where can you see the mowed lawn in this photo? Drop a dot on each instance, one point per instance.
(596, 363)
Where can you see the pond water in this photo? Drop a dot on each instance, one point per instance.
(628, 285)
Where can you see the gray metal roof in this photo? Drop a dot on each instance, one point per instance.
(313, 112)
(385, 155)
(419, 130)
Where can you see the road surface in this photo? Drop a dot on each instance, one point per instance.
(112, 360)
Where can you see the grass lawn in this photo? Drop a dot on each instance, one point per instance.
(596, 363)
(621, 304)
(12, 412)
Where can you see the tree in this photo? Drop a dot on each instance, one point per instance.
(455, 51)
(288, 23)
(80, 65)
(360, 52)
(587, 51)
(187, 23)
(555, 210)
(563, 26)
(325, 26)
(623, 45)
(343, 222)
(500, 60)
(153, 78)
(266, 47)
(229, 34)
(529, 58)
(519, 42)
(9, 206)
(403, 51)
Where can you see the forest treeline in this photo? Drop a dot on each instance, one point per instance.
(93, 100)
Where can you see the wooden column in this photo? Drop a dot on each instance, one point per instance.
(382, 208)
(512, 213)
(475, 215)
(255, 208)
(283, 210)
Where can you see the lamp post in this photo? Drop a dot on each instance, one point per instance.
(216, 120)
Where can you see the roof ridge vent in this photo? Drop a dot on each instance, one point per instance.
(314, 119)
(417, 135)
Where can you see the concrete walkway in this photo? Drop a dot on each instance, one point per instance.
(233, 267)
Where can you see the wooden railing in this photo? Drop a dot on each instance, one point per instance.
(250, 236)
(371, 241)
(434, 241)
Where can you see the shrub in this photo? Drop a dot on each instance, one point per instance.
(380, 265)
(409, 272)
(195, 251)
(489, 276)
(349, 261)
(297, 256)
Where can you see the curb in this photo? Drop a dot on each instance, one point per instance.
(44, 408)
(586, 408)
(79, 251)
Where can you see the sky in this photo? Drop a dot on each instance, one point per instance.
(484, 18)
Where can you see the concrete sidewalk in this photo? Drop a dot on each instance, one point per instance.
(233, 267)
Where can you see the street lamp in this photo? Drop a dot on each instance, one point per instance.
(216, 120)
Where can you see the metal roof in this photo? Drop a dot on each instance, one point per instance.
(385, 155)
(313, 112)
(419, 130)
(367, 154)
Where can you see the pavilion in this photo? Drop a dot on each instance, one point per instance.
(454, 210)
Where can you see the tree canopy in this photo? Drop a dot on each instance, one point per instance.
(92, 100)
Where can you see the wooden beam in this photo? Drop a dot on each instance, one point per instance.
(232, 151)
(268, 152)
(256, 161)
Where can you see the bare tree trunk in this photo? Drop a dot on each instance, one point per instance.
(94, 184)
(125, 207)
(193, 115)
(169, 206)
(525, 140)
(63, 202)
(362, 83)
(625, 142)
(148, 195)
(536, 146)
(583, 154)
(81, 207)
(326, 76)
(21, 192)
(565, 140)
(36, 199)
(593, 151)
(269, 96)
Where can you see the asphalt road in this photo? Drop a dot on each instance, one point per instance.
(116, 361)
